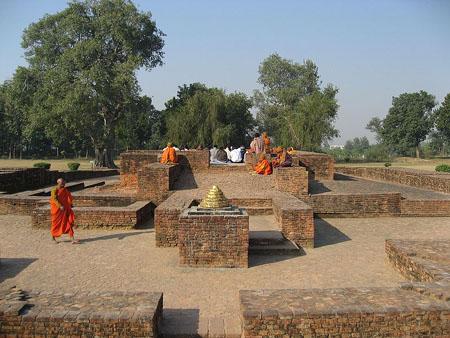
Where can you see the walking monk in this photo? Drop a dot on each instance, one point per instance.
(169, 155)
(263, 166)
(61, 211)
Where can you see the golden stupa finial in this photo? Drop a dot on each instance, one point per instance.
(215, 199)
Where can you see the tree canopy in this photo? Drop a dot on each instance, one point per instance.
(86, 57)
(442, 119)
(292, 106)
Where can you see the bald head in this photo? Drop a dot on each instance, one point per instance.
(60, 182)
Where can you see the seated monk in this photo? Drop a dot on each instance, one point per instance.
(266, 140)
(263, 167)
(169, 155)
(283, 158)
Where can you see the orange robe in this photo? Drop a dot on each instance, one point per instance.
(263, 168)
(169, 156)
(62, 220)
(266, 144)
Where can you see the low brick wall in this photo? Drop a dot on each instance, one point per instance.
(213, 240)
(356, 205)
(347, 312)
(412, 177)
(100, 217)
(84, 314)
(102, 200)
(156, 180)
(293, 180)
(295, 218)
(426, 208)
(321, 164)
(20, 205)
(19, 179)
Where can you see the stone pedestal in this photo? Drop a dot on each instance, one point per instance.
(214, 238)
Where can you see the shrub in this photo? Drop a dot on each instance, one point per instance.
(443, 168)
(44, 165)
(73, 166)
(387, 164)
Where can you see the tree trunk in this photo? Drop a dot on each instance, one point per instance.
(104, 158)
(417, 152)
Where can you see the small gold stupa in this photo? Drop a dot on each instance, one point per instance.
(215, 199)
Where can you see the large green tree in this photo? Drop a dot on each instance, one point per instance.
(206, 116)
(86, 56)
(293, 106)
(442, 119)
(408, 121)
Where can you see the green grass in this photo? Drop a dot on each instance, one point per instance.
(402, 162)
(55, 164)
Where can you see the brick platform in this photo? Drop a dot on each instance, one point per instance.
(321, 164)
(154, 181)
(216, 238)
(438, 208)
(87, 314)
(293, 180)
(412, 177)
(130, 216)
(356, 312)
(356, 205)
(295, 219)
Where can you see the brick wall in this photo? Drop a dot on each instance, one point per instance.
(84, 314)
(100, 217)
(15, 180)
(295, 219)
(293, 180)
(321, 164)
(346, 312)
(219, 241)
(356, 205)
(102, 201)
(155, 181)
(412, 177)
(439, 208)
(131, 161)
(20, 205)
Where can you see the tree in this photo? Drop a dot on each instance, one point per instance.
(442, 119)
(206, 116)
(87, 56)
(292, 106)
(357, 145)
(375, 125)
(408, 121)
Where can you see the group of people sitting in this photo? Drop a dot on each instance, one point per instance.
(260, 146)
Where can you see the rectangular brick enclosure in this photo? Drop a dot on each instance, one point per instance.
(214, 238)
(155, 180)
(84, 314)
(293, 180)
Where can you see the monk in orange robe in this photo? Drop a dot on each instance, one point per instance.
(263, 166)
(266, 140)
(169, 155)
(283, 159)
(61, 212)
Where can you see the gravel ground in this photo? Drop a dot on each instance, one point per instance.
(349, 252)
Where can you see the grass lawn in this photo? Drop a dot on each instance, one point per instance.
(402, 162)
(55, 164)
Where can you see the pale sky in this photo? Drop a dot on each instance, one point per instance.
(371, 50)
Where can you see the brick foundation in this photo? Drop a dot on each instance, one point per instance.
(438, 208)
(213, 240)
(155, 181)
(412, 177)
(20, 205)
(321, 164)
(356, 205)
(293, 180)
(295, 219)
(100, 217)
(87, 314)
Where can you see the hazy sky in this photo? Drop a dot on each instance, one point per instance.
(371, 50)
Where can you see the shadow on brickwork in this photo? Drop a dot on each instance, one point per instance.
(11, 267)
(326, 234)
(180, 323)
(186, 180)
(119, 236)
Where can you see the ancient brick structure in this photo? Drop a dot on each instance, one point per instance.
(321, 164)
(125, 217)
(154, 181)
(412, 177)
(217, 238)
(356, 205)
(293, 180)
(87, 314)
(438, 208)
(295, 218)
(131, 161)
(358, 312)
(20, 205)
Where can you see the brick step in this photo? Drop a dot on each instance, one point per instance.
(255, 211)
(177, 323)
